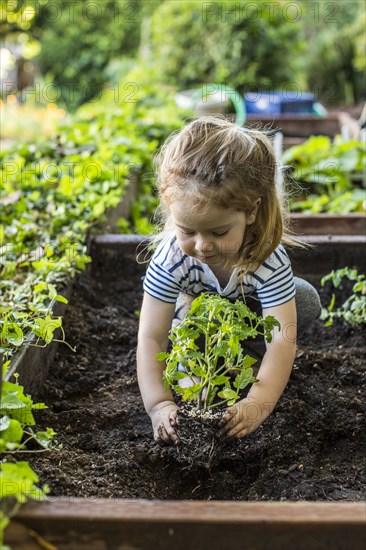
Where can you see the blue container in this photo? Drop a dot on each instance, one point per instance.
(263, 103)
(279, 102)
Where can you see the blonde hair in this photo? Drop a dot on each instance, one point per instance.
(215, 162)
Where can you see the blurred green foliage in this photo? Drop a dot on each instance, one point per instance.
(244, 45)
(327, 176)
(78, 45)
(54, 192)
(89, 45)
(334, 63)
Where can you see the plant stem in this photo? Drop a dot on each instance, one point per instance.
(27, 451)
(223, 402)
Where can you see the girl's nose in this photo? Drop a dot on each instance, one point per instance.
(204, 246)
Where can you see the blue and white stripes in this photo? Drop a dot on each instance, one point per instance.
(170, 271)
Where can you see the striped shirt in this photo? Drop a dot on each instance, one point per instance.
(170, 271)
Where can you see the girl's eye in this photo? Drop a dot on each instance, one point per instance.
(220, 234)
(187, 232)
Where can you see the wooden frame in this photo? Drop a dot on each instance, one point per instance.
(78, 524)
(292, 125)
(328, 224)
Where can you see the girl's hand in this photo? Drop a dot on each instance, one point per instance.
(241, 419)
(163, 419)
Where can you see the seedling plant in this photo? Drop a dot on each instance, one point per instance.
(210, 346)
(353, 309)
(221, 364)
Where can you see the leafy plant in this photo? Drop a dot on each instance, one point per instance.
(224, 326)
(53, 194)
(353, 309)
(337, 203)
(324, 172)
(18, 481)
(339, 43)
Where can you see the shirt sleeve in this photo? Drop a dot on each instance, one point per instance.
(278, 289)
(160, 283)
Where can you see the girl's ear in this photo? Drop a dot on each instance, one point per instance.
(252, 214)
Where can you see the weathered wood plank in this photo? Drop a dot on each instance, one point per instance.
(297, 125)
(119, 240)
(323, 224)
(76, 524)
(128, 241)
(123, 209)
(326, 252)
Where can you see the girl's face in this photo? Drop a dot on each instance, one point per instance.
(213, 236)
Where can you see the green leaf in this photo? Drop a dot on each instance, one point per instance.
(244, 378)
(228, 393)
(220, 379)
(45, 438)
(39, 287)
(247, 362)
(14, 335)
(39, 406)
(11, 402)
(60, 298)
(180, 375)
(44, 328)
(189, 394)
(52, 292)
(14, 433)
(196, 369)
(19, 481)
(4, 423)
(16, 404)
(5, 369)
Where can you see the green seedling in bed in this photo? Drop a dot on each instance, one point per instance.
(353, 309)
(210, 344)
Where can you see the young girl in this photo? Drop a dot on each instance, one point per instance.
(224, 225)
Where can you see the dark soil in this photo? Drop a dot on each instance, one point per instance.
(197, 430)
(311, 448)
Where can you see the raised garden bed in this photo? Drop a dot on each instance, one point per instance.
(328, 224)
(299, 125)
(311, 449)
(297, 128)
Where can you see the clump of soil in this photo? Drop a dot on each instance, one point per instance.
(310, 448)
(196, 429)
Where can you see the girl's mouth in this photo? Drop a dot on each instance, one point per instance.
(205, 258)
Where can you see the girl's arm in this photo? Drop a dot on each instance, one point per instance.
(248, 414)
(155, 322)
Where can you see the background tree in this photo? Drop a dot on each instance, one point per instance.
(82, 46)
(334, 63)
(80, 42)
(244, 45)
